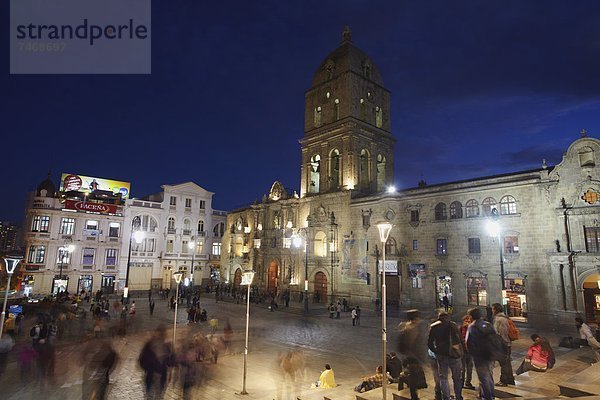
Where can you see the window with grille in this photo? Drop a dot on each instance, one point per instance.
(592, 239)
(472, 209)
(456, 210)
(487, 205)
(40, 223)
(440, 212)
(216, 249)
(474, 246)
(508, 205)
(511, 244)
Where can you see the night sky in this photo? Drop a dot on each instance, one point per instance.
(478, 88)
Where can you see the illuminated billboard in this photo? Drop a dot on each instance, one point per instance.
(88, 184)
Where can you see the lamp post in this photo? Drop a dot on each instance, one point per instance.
(247, 278)
(177, 275)
(495, 230)
(138, 235)
(11, 265)
(66, 250)
(384, 231)
(297, 240)
(192, 247)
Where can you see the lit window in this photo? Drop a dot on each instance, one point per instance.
(88, 256)
(184, 246)
(456, 210)
(37, 254)
(40, 223)
(511, 244)
(67, 226)
(63, 256)
(111, 257)
(170, 246)
(472, 209)
(441, 247)
(415, 245)
(592, 239)
(216, 249)
(508, 205)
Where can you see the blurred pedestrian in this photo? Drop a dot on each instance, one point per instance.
(155, 359)
(151, 306)
(467, 359)
(99, 359)
(501, 326)
(353, 316)
(478, 337)
(587, 337)
(443, 335)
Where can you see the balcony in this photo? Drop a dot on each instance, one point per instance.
(187, 232)
(171, 231)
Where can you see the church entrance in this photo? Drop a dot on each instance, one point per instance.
(272, 278)
(320, 288)
(591, 297)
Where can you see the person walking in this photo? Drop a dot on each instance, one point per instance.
(353, 316)
(443, 334)
(501, 327)
(478, 336)
(338, 310)
(587, 337)
(412, 343)
(331, 310)
(155, 359)
(151, 306)
(467, 359)
(357, 315)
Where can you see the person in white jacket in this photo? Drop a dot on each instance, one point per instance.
(585, 333)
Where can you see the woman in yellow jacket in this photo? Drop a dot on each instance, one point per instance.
(327, 380)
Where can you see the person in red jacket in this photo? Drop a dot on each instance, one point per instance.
(540, 356)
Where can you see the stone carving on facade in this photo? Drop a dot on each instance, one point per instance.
(389, 215)
(277, 191)
(366, 218)
(321, 214)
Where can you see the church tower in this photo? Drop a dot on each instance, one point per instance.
(347, 142)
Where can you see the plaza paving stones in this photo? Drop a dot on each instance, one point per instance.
(352, 351)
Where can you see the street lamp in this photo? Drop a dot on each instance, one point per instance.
(384, 232)
(137, 235)
(297, 241)
(495, 230)
(66, 251)
(11, 265)
(247, 278)
(177, 275)
(192, 247)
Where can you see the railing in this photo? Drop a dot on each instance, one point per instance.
(187, 232)
(171, 230)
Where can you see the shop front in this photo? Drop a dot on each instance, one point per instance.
(85, 283)
(477, 289)
(443, 291)
(515, 300)
(59, 284)
(591, 298)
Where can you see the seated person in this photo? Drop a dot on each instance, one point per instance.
(371, 382)
(327, 380)
(414, 376)
(540, 356)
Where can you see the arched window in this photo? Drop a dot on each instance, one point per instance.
(363, 171)
(472, 209)
(200, 227)
(149, 224)
(440, 212)
(456, 210)
(219, 230)
(186, 224)
(378, 117)
(315, 174)
(380, 172)
(320, 244)
(317, 116)
(171, 225)
(508, 205)
(487, 205)
(334, 169)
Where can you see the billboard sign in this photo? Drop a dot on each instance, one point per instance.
(88, 184)
(391, 267)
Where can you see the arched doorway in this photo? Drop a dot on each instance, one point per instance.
(237, 278)
(320, 287)
(272, 278)
(516, 302)
(591, 297)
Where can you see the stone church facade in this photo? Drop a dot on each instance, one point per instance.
(439, 245)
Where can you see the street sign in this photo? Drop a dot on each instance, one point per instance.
(247, 277)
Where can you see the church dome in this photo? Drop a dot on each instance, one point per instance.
(46, 188)
(346, 58)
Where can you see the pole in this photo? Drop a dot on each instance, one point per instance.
(306, 276)
(175, 318)
(126, 289)
(246, 347)
(502, 282)
(4, 305)
(383, 327)
(192, 266)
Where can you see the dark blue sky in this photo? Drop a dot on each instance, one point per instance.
(478, 88)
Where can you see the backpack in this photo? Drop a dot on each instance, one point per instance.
(490, 346)
(513, 331)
